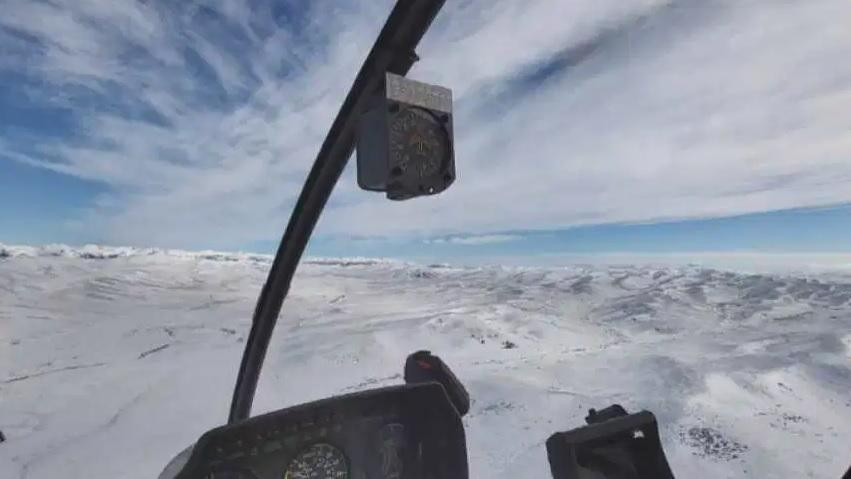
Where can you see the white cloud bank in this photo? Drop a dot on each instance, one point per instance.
(652, 109)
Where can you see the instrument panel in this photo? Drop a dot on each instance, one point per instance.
(410, 431)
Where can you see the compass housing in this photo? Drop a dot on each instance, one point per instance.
(405, 144)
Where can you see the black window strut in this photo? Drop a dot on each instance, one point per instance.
(393, 51)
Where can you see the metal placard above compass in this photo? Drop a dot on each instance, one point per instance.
(412, 92)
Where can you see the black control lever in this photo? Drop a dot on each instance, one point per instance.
(423, 367)
(615, 410)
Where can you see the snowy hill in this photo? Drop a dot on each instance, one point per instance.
(114, 359)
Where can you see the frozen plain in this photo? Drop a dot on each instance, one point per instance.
(114, 359)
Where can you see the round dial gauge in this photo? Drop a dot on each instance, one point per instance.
(392, 451)
(418, 143)
(319, 461)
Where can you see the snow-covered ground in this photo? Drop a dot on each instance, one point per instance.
(112, 360)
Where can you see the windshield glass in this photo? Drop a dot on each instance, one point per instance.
(639, 203)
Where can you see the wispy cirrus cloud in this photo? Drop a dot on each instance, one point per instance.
(203, 117)
(476, 240)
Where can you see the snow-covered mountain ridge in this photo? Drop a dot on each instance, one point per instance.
(109, 367)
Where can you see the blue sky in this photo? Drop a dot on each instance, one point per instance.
(820, 230)
(585, 126)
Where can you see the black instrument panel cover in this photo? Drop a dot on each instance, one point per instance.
(355, 423)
